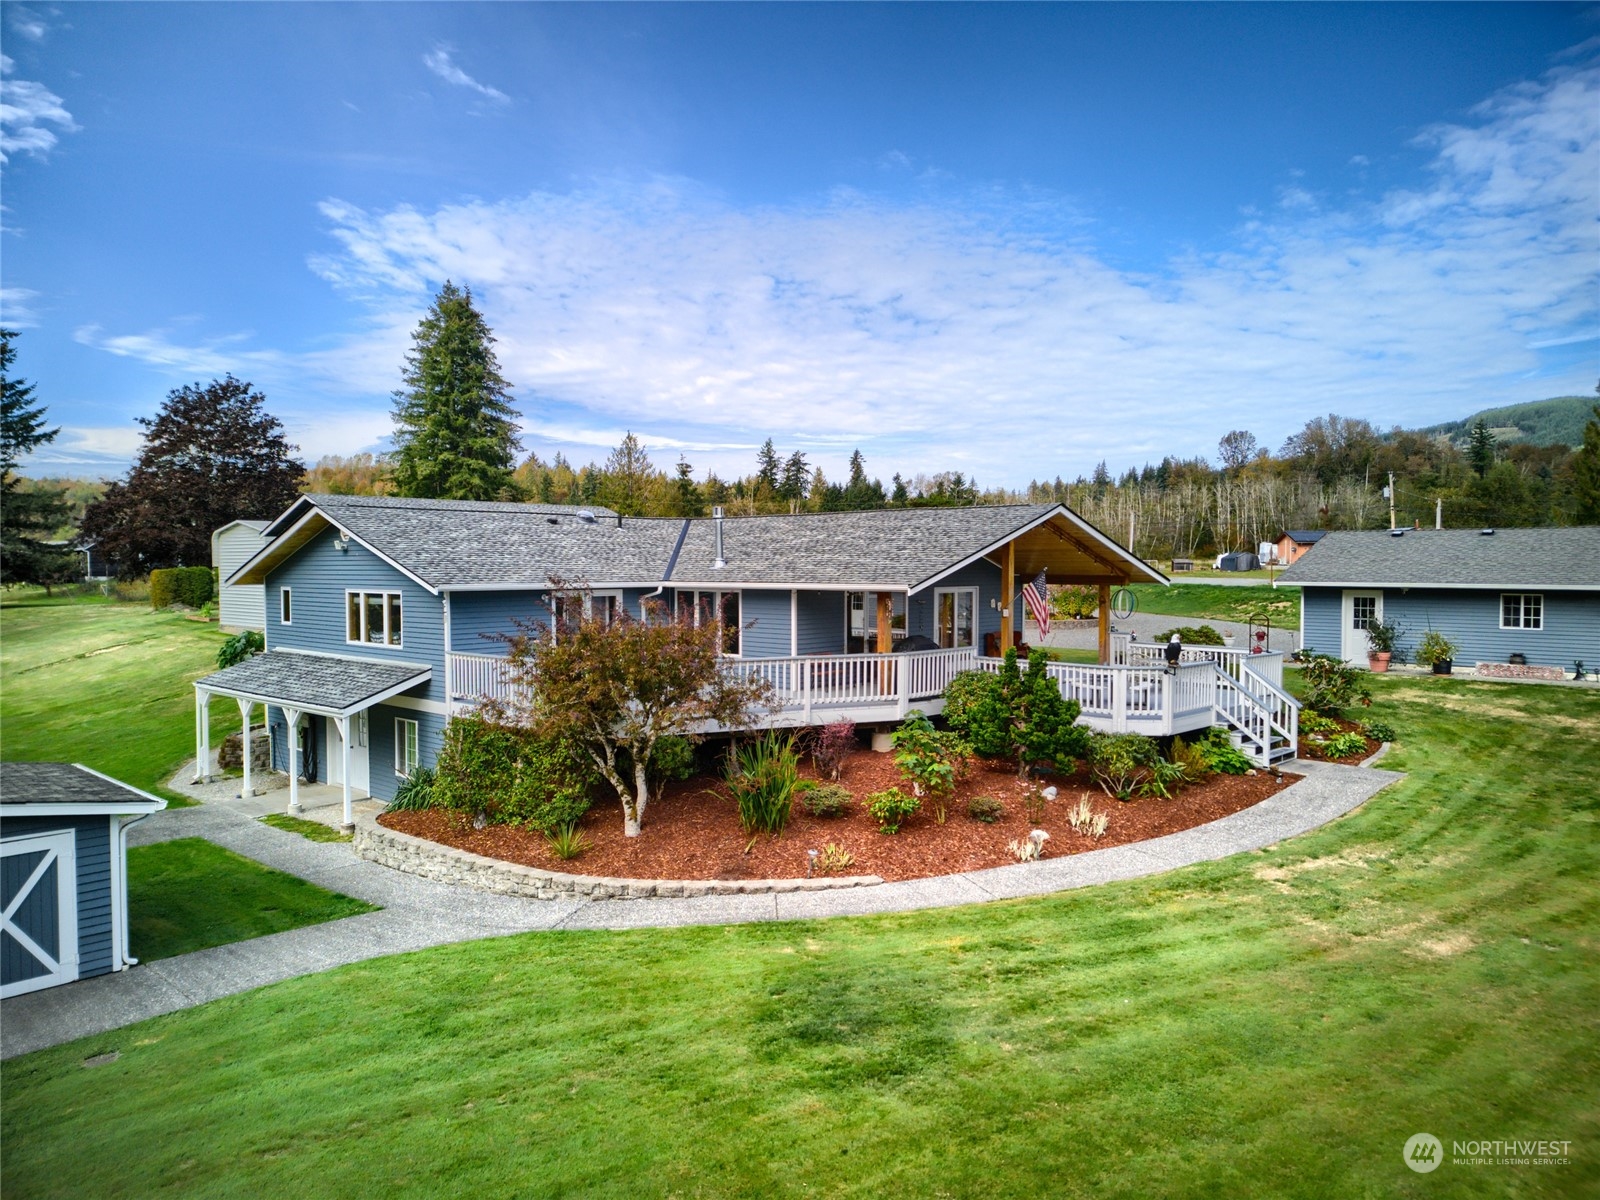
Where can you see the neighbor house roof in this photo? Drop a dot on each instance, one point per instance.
(69, 789)
(334, 684)
(1304, 537)
(1463, 558)
(462, 546)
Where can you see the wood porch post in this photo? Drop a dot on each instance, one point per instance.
(245, 708)
(886, 641)
(1105, 623)
(1008, 584)
(291, 717)
(349, 823)
(202, 733)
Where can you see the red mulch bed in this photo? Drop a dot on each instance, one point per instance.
(1308, 749)
(692, 831)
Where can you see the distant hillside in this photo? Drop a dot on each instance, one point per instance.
(1555, 422)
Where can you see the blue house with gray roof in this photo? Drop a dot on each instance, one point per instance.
(1496, 593)
(387, 616)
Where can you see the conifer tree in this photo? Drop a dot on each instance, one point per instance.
(1480, 448)
(455, 429)
(26, 517)
(1586, 474)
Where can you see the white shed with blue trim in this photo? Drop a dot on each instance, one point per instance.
(63, 873)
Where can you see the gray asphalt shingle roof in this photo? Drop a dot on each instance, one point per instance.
(65, 783)
(1550, 558)
(315, 681)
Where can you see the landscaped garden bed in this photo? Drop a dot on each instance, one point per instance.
(692, 830)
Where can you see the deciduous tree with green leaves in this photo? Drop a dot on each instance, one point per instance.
(455, 429)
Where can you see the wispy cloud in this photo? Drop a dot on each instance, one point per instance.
(26, 23)
(27, 109)
(984, 332)
(439, 60)
(17, 308)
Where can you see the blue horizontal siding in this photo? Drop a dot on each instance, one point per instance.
(1471, 619)
(765, 615)
(479, 621)
(92, 849)
(319, 576)
(983, 575)
(821, 617)
(1320, 627)
(381, 775)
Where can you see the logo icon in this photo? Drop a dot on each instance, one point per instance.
(1423, 1152)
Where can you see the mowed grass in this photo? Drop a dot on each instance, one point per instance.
(189, 894)
(1276, 1024)
(1216, 602)
(106, 685)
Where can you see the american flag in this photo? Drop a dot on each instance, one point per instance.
(1035, 596)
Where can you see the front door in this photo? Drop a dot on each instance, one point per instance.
(1360, 609)
(38, 912)
(360, 776)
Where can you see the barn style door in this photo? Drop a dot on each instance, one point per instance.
(38, 913)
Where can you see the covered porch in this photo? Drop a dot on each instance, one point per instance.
(303, 685)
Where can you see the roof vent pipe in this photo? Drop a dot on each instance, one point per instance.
(716, 516)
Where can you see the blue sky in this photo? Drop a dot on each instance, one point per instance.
(1009, 240)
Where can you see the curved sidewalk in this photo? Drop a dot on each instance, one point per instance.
(418, 913)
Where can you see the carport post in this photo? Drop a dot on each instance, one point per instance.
(202, 733)
(291, 717)
(245, 708)
(344, 752)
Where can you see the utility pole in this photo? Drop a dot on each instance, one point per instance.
(1438, 512)
(1389, 492)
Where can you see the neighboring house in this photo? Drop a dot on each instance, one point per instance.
(240, 605)
(63, 873)
(1292, 544)
(386, 616)
(1494, 592)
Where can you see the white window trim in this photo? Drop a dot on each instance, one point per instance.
(386, 644)
(286, 608)
(588, 605)
(977, 631)
(904, 615)
(400, 746)
(719, 593)
(1522, 610)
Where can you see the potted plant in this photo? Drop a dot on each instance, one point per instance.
(1381, 639)
(1436, 651)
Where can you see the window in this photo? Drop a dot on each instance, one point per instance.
(372, 618)
(956, 617)
(1363, 611)
(1521, 610)
(407, 747)
(722, 607)
(572, 607)
(862, 634)
(283, 606)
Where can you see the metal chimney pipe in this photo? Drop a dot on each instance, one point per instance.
(716, 517)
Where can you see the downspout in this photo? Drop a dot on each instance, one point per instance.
(672, 563)
(119, 894)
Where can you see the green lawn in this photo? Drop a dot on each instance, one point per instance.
(1216, 603)
(107, 685)
(315, 831)
(1276, 1024)
(190, 894)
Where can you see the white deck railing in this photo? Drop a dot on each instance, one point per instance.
(1143, 699)
(1268, 664)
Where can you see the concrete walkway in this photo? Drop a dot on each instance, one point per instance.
(418, 913)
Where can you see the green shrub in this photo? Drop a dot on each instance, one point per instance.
(828, 800)
(1012, 714)
(762, 776)
(834, 858)
(1434, 647)
(1378, 731)
(1121, 762)
(1163, 779)
(131, 591)
(567, 841)
(1192, 759)
(975, 708)
(191, 586)
(1193, 635)
(890, 807)
(512, 775)
(1343, 745)
(986, 809)
(1221, 755)
(931, 761)
(240, 647)
(1076, 602)
(1330, 686)
(415, 791)
(1311, 722)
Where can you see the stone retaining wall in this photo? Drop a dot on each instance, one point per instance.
(431, 860)
(1519, 671)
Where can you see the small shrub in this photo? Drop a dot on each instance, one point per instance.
(890, 807)
(512, 775)
(1311, 722)
(1163, 779)
(567, 841)
(1086, 821)
(1221, 755)
(1434, 647)
(208, 611)
(672, 758)
(1379, 731)
(986, 809)
(1029, 848)
(931, 761)
(1193, 761)
(830, 746)
(829, 800)
(132, 591)
(415, 791)
(1193, 635)
(1344, 745)
(1330, 686)
(238, 648)
(1120, 762)
(975, 707)
(1034, 801)
(834, 859)
(762, 775)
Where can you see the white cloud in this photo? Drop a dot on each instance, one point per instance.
(985, 334)
(26, 108)
(26, 23)
(17, 308)
(439, 61)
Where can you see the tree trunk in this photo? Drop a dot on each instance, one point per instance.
(641, 794)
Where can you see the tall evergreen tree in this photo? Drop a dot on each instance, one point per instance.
(455, 430)
(628, 475)
(792, 486)
(1586, 474)
(212, 455)
(901, 496)
(768, 470)
(1480, 448)
(27, 518)
(687, 498)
